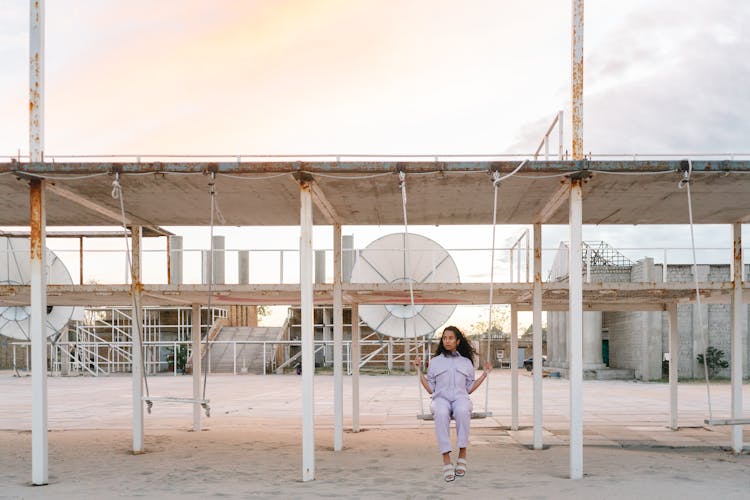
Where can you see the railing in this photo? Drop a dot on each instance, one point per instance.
(281, 266)
(384, 356)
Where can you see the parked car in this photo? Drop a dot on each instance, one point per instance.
(528, 363)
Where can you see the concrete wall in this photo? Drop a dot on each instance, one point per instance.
(638, 340)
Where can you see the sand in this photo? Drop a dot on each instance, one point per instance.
(251, 446)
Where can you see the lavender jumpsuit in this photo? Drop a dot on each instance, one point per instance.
(450, 377)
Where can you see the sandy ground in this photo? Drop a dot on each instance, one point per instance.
(250, 447)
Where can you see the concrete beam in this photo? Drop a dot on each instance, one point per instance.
(553, 204)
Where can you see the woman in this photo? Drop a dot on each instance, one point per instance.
(450, 380)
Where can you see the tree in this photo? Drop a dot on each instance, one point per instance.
(715, 360)
(500, 320)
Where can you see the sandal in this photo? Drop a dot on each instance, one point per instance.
(449, 473)
(461, 467)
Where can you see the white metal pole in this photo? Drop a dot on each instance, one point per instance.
(514, 366)
(537, 339)
(736, 351)
(577, 79)
(308, 354)
(560, 135)
(38, 334)
(136, 341)
(356, 355)
(338, 342)
(38, 298)
(575, 330)
(674, 356)
(196, 338)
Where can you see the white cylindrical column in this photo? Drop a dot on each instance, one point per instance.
(136, 233)
(38, 335)
(356, 355)
(514, 366)
(537, 319)
(575, 330)
(308, 333)
(196, 357)
(218, 264)
(338, 344)
(739, 311)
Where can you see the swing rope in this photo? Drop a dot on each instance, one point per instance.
(402, 186)
(495, 188)
(685, 183)
(118, 194)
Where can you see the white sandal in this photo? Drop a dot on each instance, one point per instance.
(449, 473)
(461, 464)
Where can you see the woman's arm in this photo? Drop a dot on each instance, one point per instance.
(422, 378)
(478, 382)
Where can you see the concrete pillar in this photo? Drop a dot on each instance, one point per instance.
(219, 260)
(674, 357)
(308, 332)
(320, 266)
(592, 340)
(347, 257)
(175, 260)
(243, 261)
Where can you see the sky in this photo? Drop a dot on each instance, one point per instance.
(230, 77)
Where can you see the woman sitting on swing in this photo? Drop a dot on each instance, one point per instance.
(450, 380)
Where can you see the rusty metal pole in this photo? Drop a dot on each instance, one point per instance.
(577, 79)
(38, 219)
(38, 334)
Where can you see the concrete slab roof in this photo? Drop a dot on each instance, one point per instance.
(367, 193)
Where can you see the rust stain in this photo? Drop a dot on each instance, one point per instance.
(36, 220)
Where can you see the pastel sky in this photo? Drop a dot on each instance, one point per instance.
(382, 76)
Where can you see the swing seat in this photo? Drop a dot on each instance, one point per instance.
(474, 415)
(727, 421)
(149, 400)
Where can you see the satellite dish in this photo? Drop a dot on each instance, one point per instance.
(385, 260)
(15, 269)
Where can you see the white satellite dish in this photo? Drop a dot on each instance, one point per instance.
(15, 269)
(385, 260)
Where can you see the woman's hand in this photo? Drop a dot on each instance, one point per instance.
(417, 362)
(487, 367)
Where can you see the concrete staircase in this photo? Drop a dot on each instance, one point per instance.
(249, 356)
